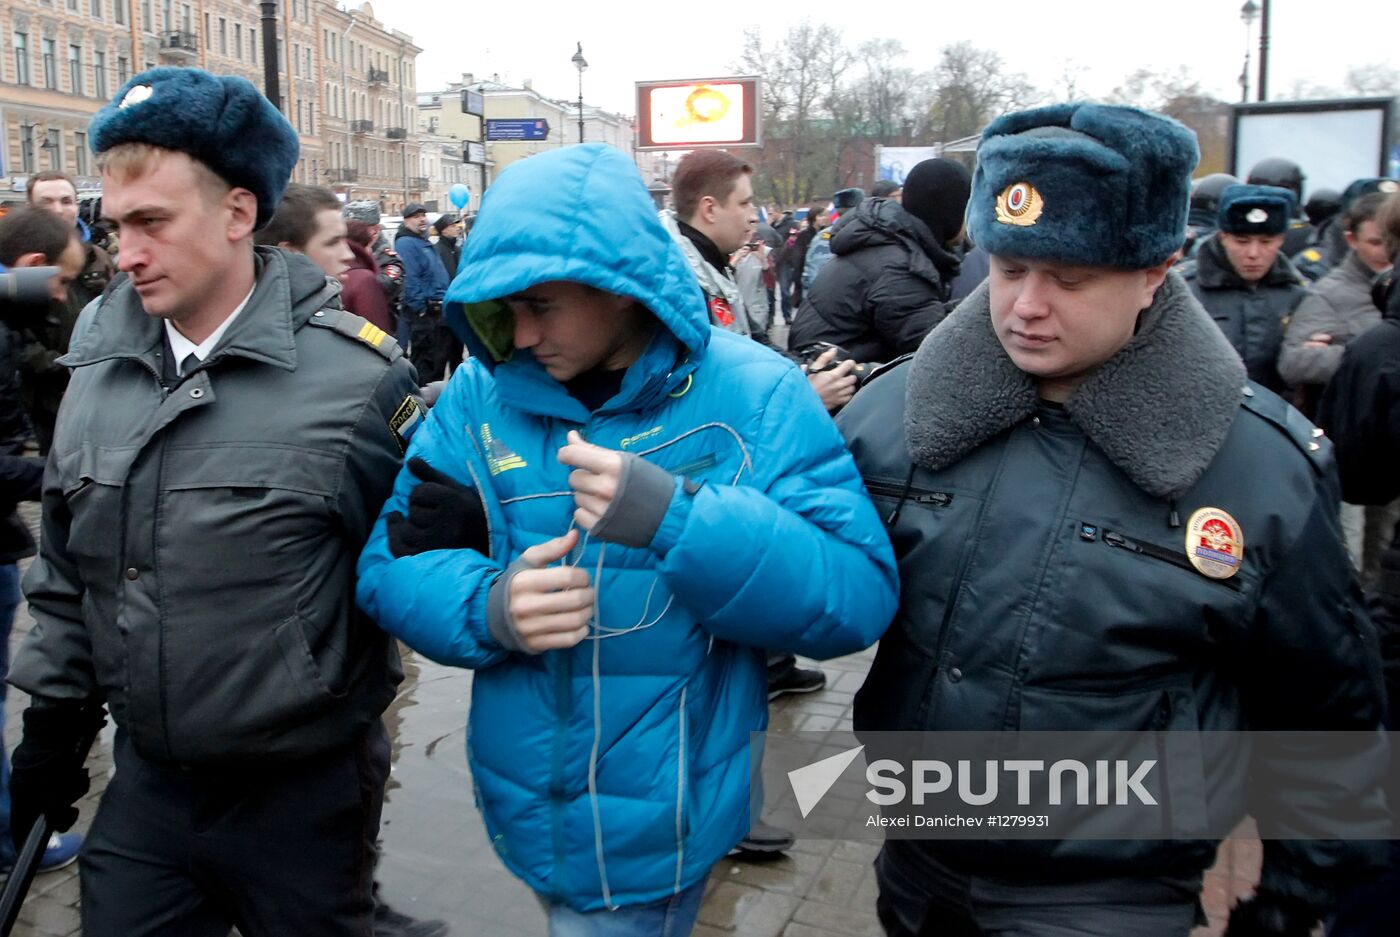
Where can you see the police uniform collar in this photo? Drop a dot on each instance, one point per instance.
(288, 289)
(1159, 409)
(1215, 272)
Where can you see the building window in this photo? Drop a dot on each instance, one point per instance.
(253, 45)
(80, 153)
(296, 58)
(53, 142)
(26, 148)
(97, 9)
(223, 36)
(72, 6)
(119, 12)
(99, 75)
(75, 69)
(148, 20)
(208, 33)
(167, 14)
(50, 65)
(21, 58)
(123, 69)
(238, 41)
(186, 17)
(307, 53)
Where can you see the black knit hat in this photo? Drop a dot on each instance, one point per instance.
(935, 192)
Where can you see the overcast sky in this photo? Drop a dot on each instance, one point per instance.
(1102, 40)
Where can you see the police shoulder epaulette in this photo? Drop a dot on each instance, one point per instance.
(1299, 430)
(358, 328)
(886, 368)
(1312, 255)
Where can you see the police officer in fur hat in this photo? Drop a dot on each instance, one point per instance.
(226, 442)
(1244, 280)
(1102, 524)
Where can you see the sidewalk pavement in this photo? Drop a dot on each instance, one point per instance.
(437, 862)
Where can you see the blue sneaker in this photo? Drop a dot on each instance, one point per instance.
(62, 851)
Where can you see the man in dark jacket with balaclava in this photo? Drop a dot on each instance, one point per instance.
(887, 284)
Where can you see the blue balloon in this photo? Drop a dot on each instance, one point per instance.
(460, 196)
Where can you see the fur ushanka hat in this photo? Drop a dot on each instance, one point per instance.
(1083, 184)
(221, 120)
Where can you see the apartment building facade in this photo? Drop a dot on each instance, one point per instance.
(64, 59)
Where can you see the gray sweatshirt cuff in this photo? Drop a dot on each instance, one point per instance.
(498, 618)
(643, 497)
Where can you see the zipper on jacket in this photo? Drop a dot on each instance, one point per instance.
(937, 499)
(1179, 560)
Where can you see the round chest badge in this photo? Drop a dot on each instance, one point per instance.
(1020, 204)
(1214, 543)
(1388, 186)
(1257, 216)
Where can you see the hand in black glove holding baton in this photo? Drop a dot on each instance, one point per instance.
(48, 776)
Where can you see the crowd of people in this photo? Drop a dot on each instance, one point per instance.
(1041, 429)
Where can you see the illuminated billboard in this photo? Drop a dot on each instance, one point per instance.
(687, 115)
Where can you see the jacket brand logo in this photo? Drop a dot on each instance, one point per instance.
(499, 457)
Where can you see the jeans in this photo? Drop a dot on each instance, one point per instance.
(9, 605)
(669, 917)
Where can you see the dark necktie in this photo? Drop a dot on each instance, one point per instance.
(189, 364)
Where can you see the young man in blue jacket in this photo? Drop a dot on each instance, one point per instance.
(657, 500)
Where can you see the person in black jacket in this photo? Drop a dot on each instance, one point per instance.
(1102, 526)
(1244, 280)
(31, 236)
(887, 284)
(1360, 411)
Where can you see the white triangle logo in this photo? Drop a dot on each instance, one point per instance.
(811, 783)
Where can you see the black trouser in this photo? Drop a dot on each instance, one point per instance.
(935, 901)
(428, 340)
(270, 847)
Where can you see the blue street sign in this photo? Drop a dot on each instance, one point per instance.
(526, 129)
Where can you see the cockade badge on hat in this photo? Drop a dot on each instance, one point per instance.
(1020, 204)
(136, 95)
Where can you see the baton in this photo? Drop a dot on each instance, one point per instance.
(27, 864)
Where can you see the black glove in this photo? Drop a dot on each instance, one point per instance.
(1269, 914)
(443, 514)
(48, 771)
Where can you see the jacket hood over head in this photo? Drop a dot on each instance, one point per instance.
(580, 214)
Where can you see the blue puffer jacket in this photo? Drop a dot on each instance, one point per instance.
(617, 772)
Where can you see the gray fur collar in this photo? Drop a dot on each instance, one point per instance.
(1159, 409)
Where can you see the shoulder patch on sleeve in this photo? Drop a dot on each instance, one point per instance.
(1308, 438)
(1312, 254)
(406, 420)
(360, 329)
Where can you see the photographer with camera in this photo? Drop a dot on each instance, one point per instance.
(38, 243)
(888, 283)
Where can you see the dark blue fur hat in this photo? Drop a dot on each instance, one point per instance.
(1255, 209)
(1084, 184)
(221, 120)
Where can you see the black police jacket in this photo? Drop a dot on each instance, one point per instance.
(1047, 582)
(883, 290)
(1252, 315)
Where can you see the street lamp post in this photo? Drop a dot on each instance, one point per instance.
(580, 63)
(1248, 13)
(1264, 53)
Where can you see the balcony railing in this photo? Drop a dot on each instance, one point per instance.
(344, 175)
(378, 76)
(418, 183)
(178, 43)
(396, 133)
(362, 126)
